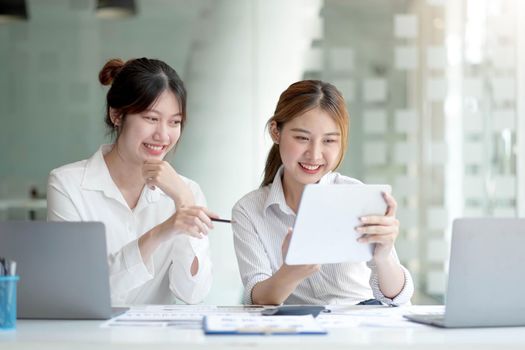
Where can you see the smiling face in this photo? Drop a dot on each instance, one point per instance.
(150, 134)
(309, 145)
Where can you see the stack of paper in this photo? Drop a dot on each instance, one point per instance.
(176, 316)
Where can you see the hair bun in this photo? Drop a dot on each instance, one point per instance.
(110, 70)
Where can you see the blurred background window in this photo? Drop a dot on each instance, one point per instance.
(434, 89)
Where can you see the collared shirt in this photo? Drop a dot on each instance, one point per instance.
(85, 191)
(261, 221)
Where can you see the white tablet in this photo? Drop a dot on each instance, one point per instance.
(324, 230)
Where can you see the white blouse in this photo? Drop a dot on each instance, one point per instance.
(261, 221)
(85, 191)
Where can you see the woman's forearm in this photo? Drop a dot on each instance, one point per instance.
(391, 277)
(276, 289)
(149, 242)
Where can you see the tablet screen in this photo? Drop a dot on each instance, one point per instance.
(324, 230)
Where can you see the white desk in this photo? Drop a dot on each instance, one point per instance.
(44, 334)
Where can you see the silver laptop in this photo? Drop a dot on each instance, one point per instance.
(485, 284)
(62, 266)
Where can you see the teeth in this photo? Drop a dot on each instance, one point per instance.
(310, 167)
(155, 148)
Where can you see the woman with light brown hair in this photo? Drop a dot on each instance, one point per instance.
(310, 130)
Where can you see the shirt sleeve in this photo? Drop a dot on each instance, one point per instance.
(191, 289)
(254, 264)
(127, 270)
(403, 298)
(60, 206)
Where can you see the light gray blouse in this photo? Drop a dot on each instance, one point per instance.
(261, 221)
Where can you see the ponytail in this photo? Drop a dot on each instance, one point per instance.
(273, 162)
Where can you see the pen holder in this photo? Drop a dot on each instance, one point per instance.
(8, 302)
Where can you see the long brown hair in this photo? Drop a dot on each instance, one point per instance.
(299, 98)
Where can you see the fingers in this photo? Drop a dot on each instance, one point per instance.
(377, 230)
(196, 217)
(150, 183)
(156, 165)
(204, 214)
(379, 234)
(189, 228)
(379, 220)
(153, 162)
(202, 227)
(205, 219)
(151, 178)
(152, 170)
(378, 225)
(391, 204)
(380, 239)
(196, 220)
(300, 270)
(210, 213)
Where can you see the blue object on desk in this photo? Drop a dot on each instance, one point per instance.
(287, 310)
(8, 302)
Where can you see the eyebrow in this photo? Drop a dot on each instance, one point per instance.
(157, 112)
(335, 133)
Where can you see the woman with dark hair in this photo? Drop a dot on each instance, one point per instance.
(156, 221)
(309, 130)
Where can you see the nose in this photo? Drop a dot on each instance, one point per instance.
(315, 150)
(161, 132)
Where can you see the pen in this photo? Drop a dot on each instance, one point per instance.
(3, 267)
(7, 267)
(12, 268)
(223, 220)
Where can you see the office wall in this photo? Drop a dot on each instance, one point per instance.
(234, 56)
